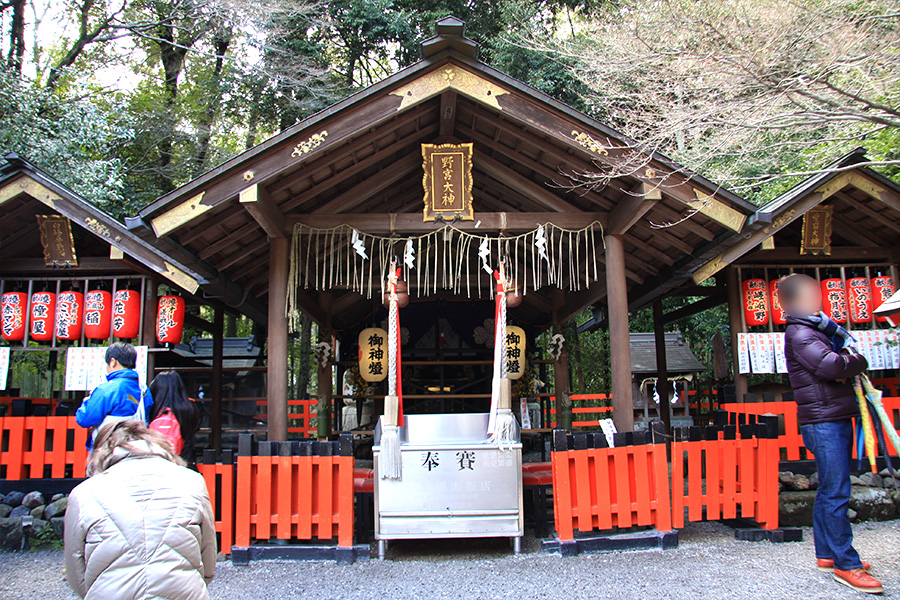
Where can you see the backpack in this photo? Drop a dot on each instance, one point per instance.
(168, 426)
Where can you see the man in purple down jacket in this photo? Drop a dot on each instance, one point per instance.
(822, 363)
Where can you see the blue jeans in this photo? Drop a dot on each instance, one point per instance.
(832, 444)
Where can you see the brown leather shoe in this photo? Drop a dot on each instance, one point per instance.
(859, 580)
(826, 565)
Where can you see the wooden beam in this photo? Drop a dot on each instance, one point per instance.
(619, 341)
(520, 183)
(411, 223)
(792, 255)
(86, 264)
(632, 208)
(855, 204)
(195, 322)
(320, 187)
(448, 113)
(852, 232)
(546, 147)
(255, 199)
(748, 243)
(694, 307)
(277, 356)
(367, 188)
(148, 327)
(578, 301)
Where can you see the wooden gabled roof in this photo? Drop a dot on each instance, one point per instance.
(866, 219)
(359, 162)
(26, 191)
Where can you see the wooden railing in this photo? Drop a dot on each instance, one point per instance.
(597, 488)
(39, 447)
(733, 467)
(790, 441)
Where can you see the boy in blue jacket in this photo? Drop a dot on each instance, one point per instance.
(117, 398)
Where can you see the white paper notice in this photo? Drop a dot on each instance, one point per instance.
(766, 354)
(894, 347)
(86, 367)
(4, 367)
(743, 354)
(609, 430)
(778, 344)
(876, 363)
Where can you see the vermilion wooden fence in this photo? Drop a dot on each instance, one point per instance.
(790, 442)
(219, 477)
(597, 488)
(295, 490)
(39, 447)
(733, 467)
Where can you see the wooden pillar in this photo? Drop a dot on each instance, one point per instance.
(215, 418)
(326, 376)
(148, 327)
(662, 367)
(619, 342)
(561, 369)
(736, 324)
(277, 359)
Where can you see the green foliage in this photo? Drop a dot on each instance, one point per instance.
(74, 139)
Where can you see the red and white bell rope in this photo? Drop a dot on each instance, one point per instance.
(390, 459)
(501, 423)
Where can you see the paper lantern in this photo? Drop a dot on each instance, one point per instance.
(126, 314)
(69, 309)
(97, 314)
(756, 301)
(170, 320)
(859, 300)
(12, 311)
(777, 311)
(882, 289)
(43, 314)
(834, 300)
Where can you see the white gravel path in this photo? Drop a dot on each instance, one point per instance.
(708, 563)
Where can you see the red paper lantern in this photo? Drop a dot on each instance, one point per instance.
(756, 301)
(777, 311)
(69, 309)
(859, 300)
(834, 300)
(882, 289)
(126, 314)
(170, 320)
(97, 314)
(12, 311)
(43, 315)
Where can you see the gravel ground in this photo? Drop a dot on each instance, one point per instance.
(708, 563)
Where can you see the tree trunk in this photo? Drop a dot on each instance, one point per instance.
(221, 41)
(172, 59)
(16, 53)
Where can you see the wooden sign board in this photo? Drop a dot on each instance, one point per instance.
(817, 227)
(56, 238)
(373, 354)
(447, 181)
(515, 352)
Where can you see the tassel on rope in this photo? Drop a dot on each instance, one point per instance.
(390, 459)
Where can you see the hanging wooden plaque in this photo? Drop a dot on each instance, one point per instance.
(373, 354)
(816, 238)
(56, 238)
(447, 181)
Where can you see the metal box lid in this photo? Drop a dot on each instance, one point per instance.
(454, 428)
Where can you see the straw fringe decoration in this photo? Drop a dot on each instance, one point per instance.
(324, 258)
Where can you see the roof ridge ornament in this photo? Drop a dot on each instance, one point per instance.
(450, 32)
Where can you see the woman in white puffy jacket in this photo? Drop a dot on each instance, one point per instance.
(141, 526)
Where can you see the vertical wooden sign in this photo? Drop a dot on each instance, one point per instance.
(447, 181)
